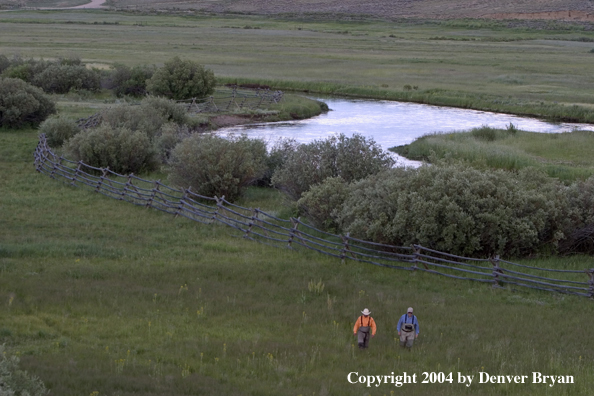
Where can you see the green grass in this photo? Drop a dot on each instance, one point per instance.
(101, 296)
(568, 156)
(98, 295)
(482, 64)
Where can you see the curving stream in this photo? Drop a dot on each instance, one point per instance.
(392, 123)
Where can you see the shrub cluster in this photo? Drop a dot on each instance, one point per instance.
(131, 138)
(212, 165)
(461, 210)
(61, 76)
(22, 104)
(351, 158)
(129, 81)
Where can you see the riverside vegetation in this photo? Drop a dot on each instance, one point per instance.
(101, 297)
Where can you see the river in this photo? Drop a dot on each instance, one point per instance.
(392, 123)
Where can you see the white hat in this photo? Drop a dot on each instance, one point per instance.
(409, 310)
(366, 312)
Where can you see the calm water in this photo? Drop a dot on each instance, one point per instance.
(392, 123)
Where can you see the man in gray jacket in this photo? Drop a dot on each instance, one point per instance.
(408, 328)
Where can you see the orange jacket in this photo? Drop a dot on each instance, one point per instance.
(365, 321)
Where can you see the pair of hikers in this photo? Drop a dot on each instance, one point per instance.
(408, 328)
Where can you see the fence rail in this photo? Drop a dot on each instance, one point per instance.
(258, 225)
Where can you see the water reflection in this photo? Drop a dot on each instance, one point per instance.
(393, 123)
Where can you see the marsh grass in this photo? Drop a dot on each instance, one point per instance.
(567, 156)
(101, 296)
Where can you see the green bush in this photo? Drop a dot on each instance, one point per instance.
(211, 165)
(460, 210)
(121, 149)
(22, 104)
(149, 117)
(23, 72)
(169, 136)
(322, 202)
(279, 153)
(182, 79)
(580, 236)
(14, 381)
(62, 79)
(124, 80)
(57, 130)
(350, 158)
(4, 63)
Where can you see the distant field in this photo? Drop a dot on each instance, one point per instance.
(545, 9)
(42, 3)
(472, 64)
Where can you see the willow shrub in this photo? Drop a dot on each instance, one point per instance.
(22, 104)
(321, 203)
(460, 210)
(63, 78)
(181, 79)
(121, 149)
(58, 130)
(149, 117)
(351, 158)
(211, 165)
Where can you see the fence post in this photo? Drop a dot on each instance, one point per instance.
(155, 190)
(345, 242)
(219, 205)
(76, 173)
(417, 253)
(181, 202)
(591, 282)
(496, 271)
(56, 167)
(100, 182)
(295, 223)
(251, 224)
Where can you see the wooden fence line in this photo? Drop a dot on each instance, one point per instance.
(257, 225)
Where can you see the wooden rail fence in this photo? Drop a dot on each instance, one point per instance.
(258, 225)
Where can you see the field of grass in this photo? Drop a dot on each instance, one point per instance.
(102, 296)
(99, 297)
(567, 156)
(485, 65)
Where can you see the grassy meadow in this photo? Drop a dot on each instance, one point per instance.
(541, 71)
(100, 297)
(568, 156)
(103, 296)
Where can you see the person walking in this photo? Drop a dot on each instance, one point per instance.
(408, 328)
(364, 328)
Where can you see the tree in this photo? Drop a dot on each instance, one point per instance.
(182, 79)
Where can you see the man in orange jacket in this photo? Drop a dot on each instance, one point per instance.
(363, 327)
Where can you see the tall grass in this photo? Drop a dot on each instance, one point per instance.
(100, 296)
(567, 156)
